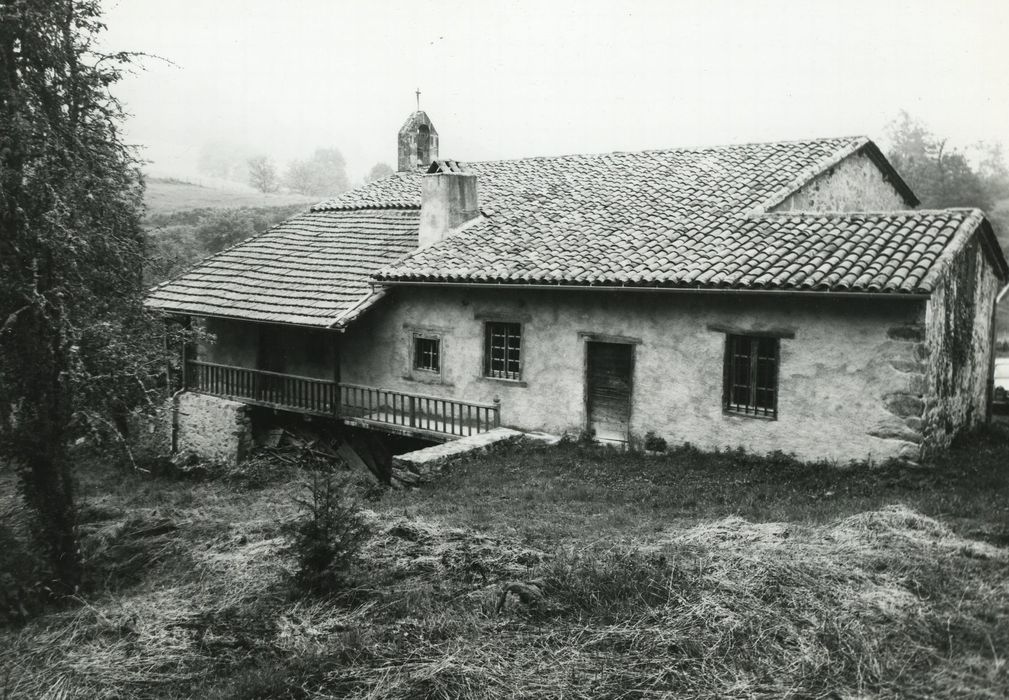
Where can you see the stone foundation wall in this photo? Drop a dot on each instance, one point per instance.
(213, 428)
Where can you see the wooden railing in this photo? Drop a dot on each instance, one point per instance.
(417, 412)
(403, 412)
(287, 391)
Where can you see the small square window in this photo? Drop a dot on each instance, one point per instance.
(427, 353)
(503, 354)
(751, 375)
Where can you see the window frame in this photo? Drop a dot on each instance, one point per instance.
(436, 338)
(488, 351)
(751, 408)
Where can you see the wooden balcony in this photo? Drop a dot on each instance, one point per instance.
(433, 417)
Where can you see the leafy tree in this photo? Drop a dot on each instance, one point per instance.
(298, 177)
(71, 253)
(263, 174)
(943, 177)
(378, 171)
(999, 217)
(940, 175)
(325, 173)
(992, 169)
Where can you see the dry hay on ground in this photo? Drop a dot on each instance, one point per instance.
(885, 603)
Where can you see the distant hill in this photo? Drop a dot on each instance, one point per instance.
(187, 221)
(165, 195)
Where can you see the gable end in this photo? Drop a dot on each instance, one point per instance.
(975, 227)
(862, 180)
(890, 173)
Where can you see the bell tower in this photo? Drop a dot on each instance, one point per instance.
(418, 143)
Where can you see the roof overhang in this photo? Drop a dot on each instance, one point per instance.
(804, 293)
(225, 317)
(890, 174)
(338, 324)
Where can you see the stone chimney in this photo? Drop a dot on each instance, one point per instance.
(448, 199)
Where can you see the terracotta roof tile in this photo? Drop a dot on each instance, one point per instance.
(313, 269)
(858, 252)
(676, 218)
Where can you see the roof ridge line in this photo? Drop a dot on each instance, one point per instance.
(854, 142)
(321, 206)
(672, 149)
(865, 212)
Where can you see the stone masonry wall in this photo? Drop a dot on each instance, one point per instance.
(854, 184)
(957, 346)
(850, 369)
(904, 401)
(213, 428)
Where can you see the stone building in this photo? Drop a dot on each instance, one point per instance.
(774, 296)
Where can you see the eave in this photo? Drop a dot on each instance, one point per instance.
(804, 293)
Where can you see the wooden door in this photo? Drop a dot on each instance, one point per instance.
(609, 385)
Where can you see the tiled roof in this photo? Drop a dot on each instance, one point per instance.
(662, 186)
(866, 252)
(687, 218)
(676, 219)
(873, 252)
(313, 269)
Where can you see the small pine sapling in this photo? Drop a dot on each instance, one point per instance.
(328, 537)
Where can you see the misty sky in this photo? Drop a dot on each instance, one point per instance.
(511, 79)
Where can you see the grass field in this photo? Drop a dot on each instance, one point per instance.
(164, 195)
(687, 574)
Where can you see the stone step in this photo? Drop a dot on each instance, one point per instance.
(431, 459)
